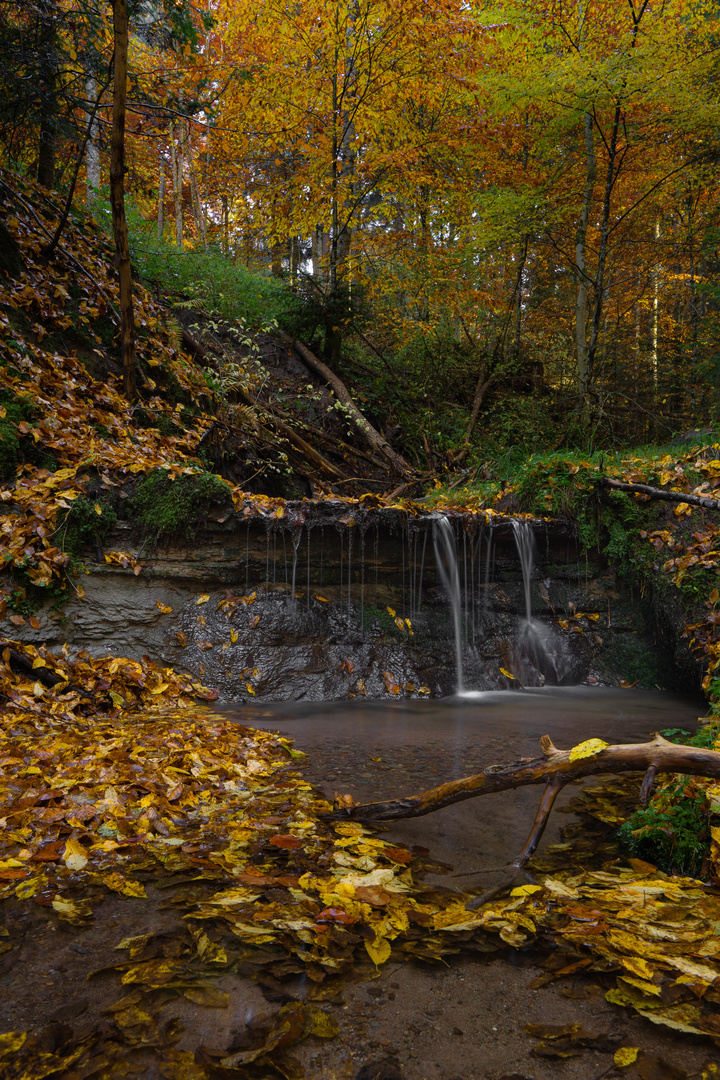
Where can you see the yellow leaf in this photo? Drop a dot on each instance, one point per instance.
(202, 599)
(323, 599)
(80, 591)
(74, 856)
(71, 910)
(589, 748)
(123, 885)
(27, 888)
(378, 950)
(233, 636)
(160, 689)
(526, 890)
(208, 996)
(391, 612)
(164, 608)
(625, 1056)
(507, 674)
(681, 508)
(10, 1043)
(97, 509)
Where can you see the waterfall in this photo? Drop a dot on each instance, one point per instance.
(447, 562)
(539, 646)
(525, 543)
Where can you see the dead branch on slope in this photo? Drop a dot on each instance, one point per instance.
(661, 493)
(372, 437)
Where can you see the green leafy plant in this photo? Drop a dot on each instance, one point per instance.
(672, 833)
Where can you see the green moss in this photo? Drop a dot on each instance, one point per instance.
(165, 507)
(628, 656)
(11, 451)
(88, 521)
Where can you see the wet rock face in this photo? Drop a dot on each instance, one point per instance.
(348, 606)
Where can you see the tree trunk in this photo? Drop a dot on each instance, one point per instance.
(582, 277)
(161, 199)
(177, 171)
(48, 102)
(372, 437)
(599, 283)
(660, 756)
(117, 198)
(92, 151)
(225, 225)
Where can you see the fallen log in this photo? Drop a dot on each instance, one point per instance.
(554, 769)
(372, 437)
(661, 493)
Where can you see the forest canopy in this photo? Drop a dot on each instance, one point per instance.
(498, 223)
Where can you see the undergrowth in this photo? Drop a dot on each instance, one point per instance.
(209, 281)
(673, 832)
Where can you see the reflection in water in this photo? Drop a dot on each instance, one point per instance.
(510, 721)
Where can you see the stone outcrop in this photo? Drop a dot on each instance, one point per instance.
(340, 604)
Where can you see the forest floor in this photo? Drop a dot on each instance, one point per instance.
(178, 859)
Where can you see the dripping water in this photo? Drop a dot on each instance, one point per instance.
(296, 536)
(488, 564)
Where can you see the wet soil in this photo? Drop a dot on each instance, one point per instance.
(461, 1021)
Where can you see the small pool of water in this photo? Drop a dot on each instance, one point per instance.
(383, 749)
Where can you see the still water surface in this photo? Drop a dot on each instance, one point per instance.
(381, 749)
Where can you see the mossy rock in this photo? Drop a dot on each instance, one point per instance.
(164, 508)
(88, 521)
(12, 448)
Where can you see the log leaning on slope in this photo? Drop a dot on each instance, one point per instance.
(377, 442)
(554, 770)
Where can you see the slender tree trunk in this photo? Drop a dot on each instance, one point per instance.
(92, 151)
(194, 195)
(49, 248)
(117, 197)
(161, 199)
(177, 171)
(48, 89)
(581, 272)
(693, 316)
(225, 225)
(599, 284)
(655, 315)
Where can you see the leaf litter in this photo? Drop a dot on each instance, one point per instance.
(97, 799)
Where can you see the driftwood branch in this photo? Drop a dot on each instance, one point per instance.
(554, 769)
(661, 493)
(372, 437)
(555, 765)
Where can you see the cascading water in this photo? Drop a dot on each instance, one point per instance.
(447, 562)
(539, 651)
